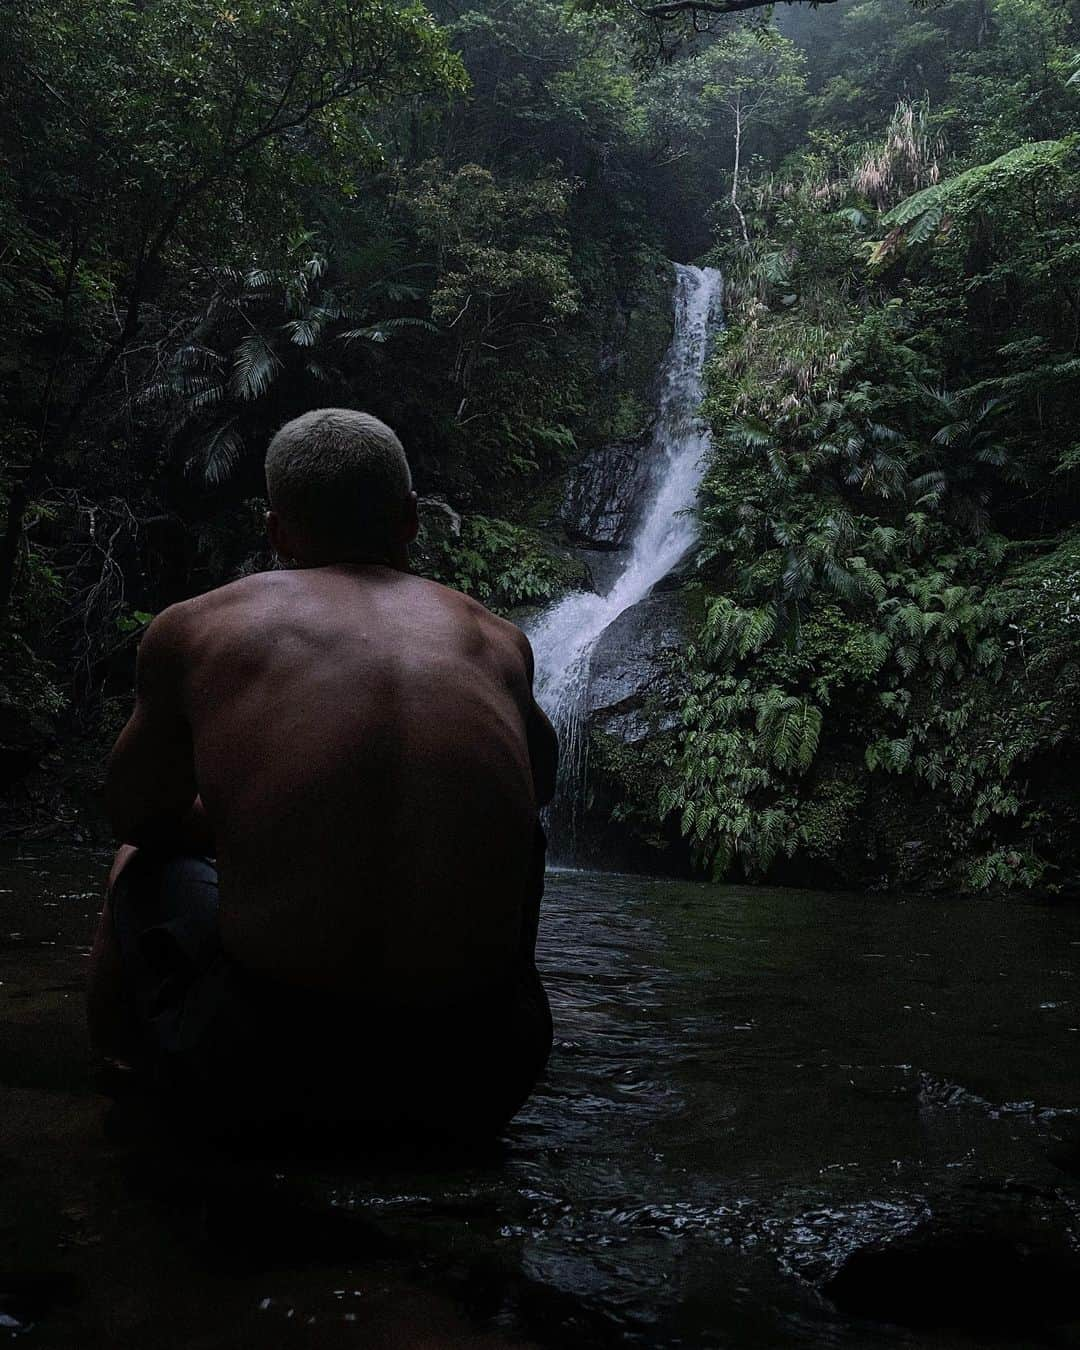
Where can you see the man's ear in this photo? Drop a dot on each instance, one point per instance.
(410, 525)
(278, 536)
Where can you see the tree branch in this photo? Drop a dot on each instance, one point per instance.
(669, 8)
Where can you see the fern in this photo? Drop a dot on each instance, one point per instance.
(256, 367)
(916, 219)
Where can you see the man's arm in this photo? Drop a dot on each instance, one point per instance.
(150, 791)
(543, 742)
(543, 753)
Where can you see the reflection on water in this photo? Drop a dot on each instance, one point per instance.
(747, 1087)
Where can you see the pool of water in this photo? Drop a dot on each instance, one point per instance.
(747, 1086)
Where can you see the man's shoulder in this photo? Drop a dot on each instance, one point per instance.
(494, 627)
(510, 634)
(186, 620)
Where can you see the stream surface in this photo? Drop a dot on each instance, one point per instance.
(746, 1086)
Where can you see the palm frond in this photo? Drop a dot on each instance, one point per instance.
(255, 368)
(386, 328)
(221, 454)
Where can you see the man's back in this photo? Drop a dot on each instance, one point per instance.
(361, 753)
(361, 747)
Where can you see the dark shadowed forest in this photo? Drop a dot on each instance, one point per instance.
(217, 214)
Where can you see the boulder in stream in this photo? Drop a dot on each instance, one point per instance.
(993, 1255)
(974, 1280)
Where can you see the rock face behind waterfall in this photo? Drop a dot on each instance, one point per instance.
(604, 495)
(632, 721)
(632, 692)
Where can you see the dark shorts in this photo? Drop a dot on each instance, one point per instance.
(242, 1047)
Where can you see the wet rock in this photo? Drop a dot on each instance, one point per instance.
(603, 566)
(632, 692)
(604, 495)
(1063, 1142)
(680, 574)
(974, 1281)
(1004, 1266)
(885, 1082)
(439, 519)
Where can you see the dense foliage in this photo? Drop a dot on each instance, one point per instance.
(218, 215)
(885, 680)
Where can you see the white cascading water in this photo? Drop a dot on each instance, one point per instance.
(564, 637)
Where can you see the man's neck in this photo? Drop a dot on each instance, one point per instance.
(396, 561)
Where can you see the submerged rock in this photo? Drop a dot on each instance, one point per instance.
(1063, 1142)
(990, 1257)
(974, 1280)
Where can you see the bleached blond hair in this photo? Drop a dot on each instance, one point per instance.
(340, 478)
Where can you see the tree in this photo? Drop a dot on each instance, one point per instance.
(501, 256)
(742, 86)
(701, 12)
(141, 139)
(754, 80)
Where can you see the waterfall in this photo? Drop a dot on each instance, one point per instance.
(564, 637)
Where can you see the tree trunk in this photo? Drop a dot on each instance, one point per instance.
(735, 171)
(9, 546)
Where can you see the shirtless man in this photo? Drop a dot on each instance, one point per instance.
(327, 798)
